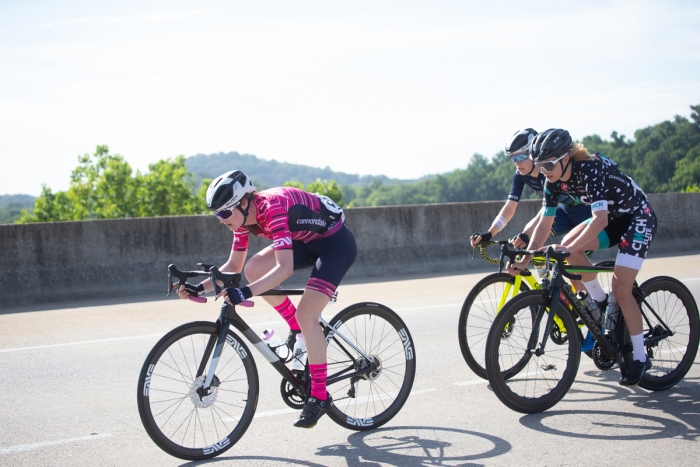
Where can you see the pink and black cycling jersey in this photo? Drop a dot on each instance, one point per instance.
(285, 214)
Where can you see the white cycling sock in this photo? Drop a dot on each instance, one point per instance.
(638, 348)
(595, 290)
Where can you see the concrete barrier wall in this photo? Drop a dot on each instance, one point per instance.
(60, 261)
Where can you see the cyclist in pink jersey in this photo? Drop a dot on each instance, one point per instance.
(307, 231)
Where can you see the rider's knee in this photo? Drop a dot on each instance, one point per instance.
(251, 270)
(620, 289)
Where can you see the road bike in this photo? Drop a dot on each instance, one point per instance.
(489, 296)
(198, 388)
(530, 374)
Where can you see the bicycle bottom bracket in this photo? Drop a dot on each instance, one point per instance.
(293, 398)
(201, 398)
(601, 360)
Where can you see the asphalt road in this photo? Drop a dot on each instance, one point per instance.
(68, 379)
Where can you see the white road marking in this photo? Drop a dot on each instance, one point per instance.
(427, 307)
(267, 323)
(31, 447)
(68, 344)
(111, 339)
(150, 336)
(471, 382)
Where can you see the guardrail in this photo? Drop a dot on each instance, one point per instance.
(51, 262)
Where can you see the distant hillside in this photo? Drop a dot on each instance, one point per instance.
(12, 205)
(269, 173)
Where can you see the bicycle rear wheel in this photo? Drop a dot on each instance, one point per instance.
(478, 312)
(373, 397)
(543, 380)
(673, 356)
(179, 419)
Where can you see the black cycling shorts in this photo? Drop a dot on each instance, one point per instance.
(331, 257)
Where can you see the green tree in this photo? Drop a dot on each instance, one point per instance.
(102, 186)
(295, 184)
(328, 188)
(167, 190)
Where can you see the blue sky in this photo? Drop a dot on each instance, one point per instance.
(400, 88)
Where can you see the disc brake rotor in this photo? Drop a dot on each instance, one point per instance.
(197, 395)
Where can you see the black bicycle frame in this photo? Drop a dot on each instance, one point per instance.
(229, 316)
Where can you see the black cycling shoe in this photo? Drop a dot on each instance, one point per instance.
(635, 372)
(313, 410)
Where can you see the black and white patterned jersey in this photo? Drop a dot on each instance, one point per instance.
(600, 184)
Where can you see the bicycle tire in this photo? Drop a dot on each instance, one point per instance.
(543, 383)
(672, 357)
(476, 317)
(360, 403)
(168, 402)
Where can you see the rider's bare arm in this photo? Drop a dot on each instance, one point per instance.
(282, 270)
(234, 264)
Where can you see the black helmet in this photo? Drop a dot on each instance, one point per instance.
(554, 142)
(520, 141)
(226, 191)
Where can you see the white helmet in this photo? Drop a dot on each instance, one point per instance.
(228, 190)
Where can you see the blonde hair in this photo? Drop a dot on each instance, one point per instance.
(580, 153)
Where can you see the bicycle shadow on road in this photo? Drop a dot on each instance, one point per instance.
(417, 446)
(678, 415)
(254, 461)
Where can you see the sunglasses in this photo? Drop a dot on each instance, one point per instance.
(548, 166)
(519, 157)
(226, 213)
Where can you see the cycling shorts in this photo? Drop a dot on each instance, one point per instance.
(331, 257)
(568, 217)
(632, 233)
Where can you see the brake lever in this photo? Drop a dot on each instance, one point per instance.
(212, 276)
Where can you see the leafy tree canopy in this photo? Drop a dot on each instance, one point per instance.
(661, 158)
(103, 186)
(328, 188)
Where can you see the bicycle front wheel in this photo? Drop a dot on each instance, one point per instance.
(542, 380)
(667, 301)
(179, 417)
(478, 312)
(380, 384)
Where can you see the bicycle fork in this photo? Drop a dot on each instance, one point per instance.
(533, 347)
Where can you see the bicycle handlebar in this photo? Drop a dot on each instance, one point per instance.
(550, 254)
(481, 246)
(228, 279)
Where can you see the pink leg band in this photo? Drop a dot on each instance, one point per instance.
(288, 312)
(319, 373)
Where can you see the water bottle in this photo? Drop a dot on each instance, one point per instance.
(611, 313)
(299, 360)
(590, 305)
(275, 343)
